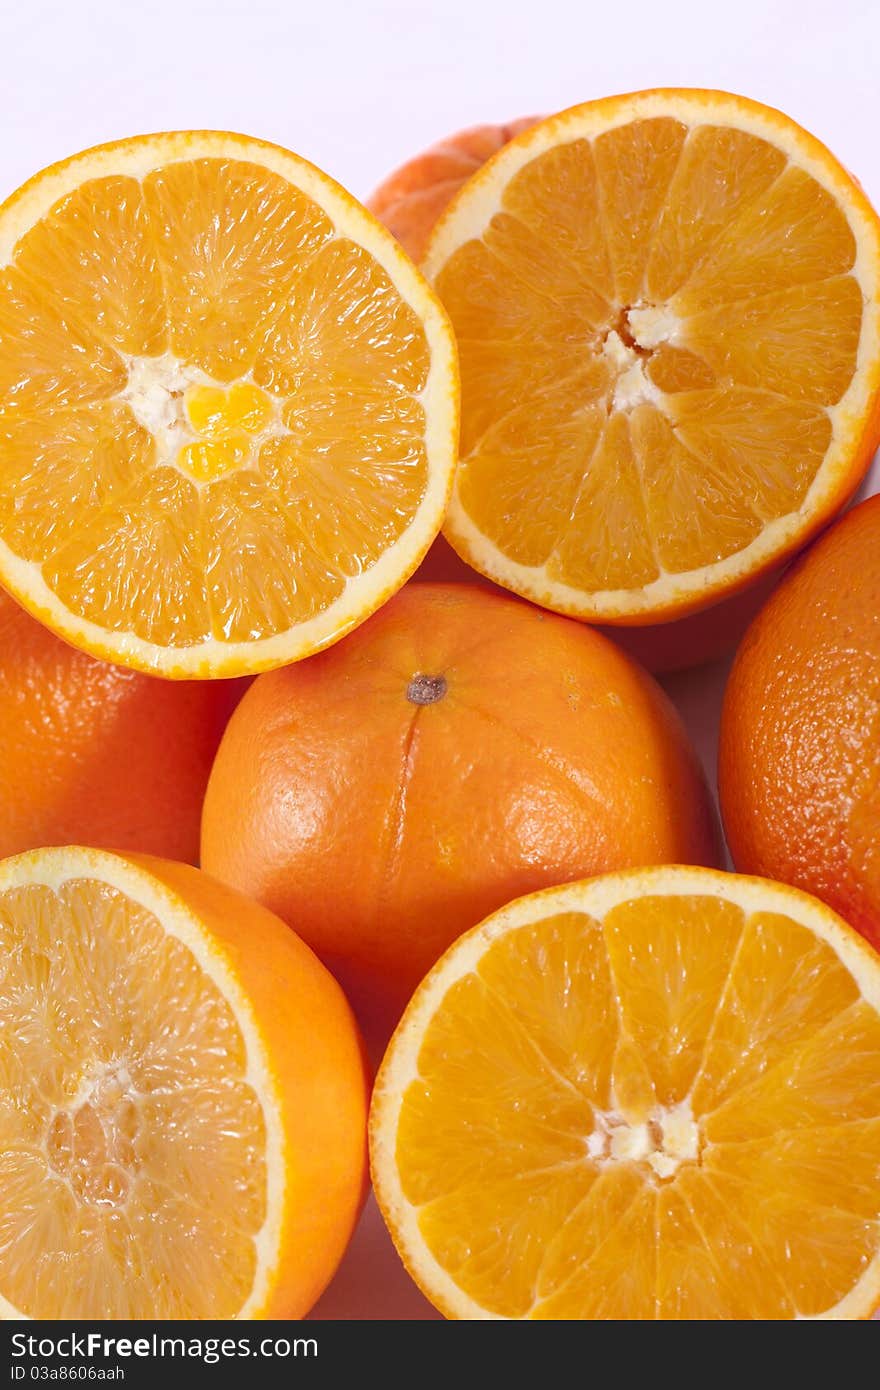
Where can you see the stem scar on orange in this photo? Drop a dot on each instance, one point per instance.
(461, 748)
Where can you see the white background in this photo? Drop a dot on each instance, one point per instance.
(359, 87)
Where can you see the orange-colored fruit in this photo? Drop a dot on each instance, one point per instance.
(228, 405)
(409, 202)
(461, 749)
(654, 1095)
(182, 1098)
(92, 753)
(799, 766)
(667, 308)
(411, 199)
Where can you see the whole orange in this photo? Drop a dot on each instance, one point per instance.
(96, 754)
(800, 736)
(458, 750)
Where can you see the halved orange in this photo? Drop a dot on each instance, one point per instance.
(667, 313)
(655, 1094)
(228, 405)
(182, 1097)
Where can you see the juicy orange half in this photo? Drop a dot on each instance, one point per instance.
(228, 405)
(182, 1098)
(652, 1095)
(667, 313)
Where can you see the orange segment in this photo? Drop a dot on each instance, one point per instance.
(651, 1095)
(720, 171)
(156, 520)
(232, 238)
(347, 316)
(151, 1088)
(735, 431)
(606, 542)
(635, 164)
(218, 305)
(95, 256)
(94, 453)
(796, 234)
(558, 198)
(503, 470)
(46, 360)
(714, 275)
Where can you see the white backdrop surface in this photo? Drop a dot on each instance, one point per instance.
(357, 88)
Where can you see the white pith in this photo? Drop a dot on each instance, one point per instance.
(472, 212)
(155, 393)
(595, 899)
(668, 1137)
(633, 385)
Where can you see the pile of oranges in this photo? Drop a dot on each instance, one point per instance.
(453, 827)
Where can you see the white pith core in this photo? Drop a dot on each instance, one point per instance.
(668, 1137)
(155, 394)
(647, 327)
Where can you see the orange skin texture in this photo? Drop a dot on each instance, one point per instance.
(411, 199)
(381, 829)
(318, 1066)
(799, 763)
(96, 754)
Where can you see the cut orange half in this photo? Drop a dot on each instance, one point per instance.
(651, 1095)
(228, 405)
(667, 313)
(182, 1098)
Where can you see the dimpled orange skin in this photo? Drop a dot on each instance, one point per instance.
(799, 766)
(382, 828)
(317, 1062)
(95, 754)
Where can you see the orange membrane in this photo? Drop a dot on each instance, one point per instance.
(652, 328)
(132, 1145)
(673, 1112)
(197, 370)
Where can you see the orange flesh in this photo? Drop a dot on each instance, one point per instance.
(195, 371)
(132, 1147)
(672, 1113)
(650, 331)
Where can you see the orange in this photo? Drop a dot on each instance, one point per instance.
(654, 1095)
(458, 750)
(411, 199)
(668, 321)
(799, 764)
(182, 1098)
(228, 405)
(96, 754)
(409, 202)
